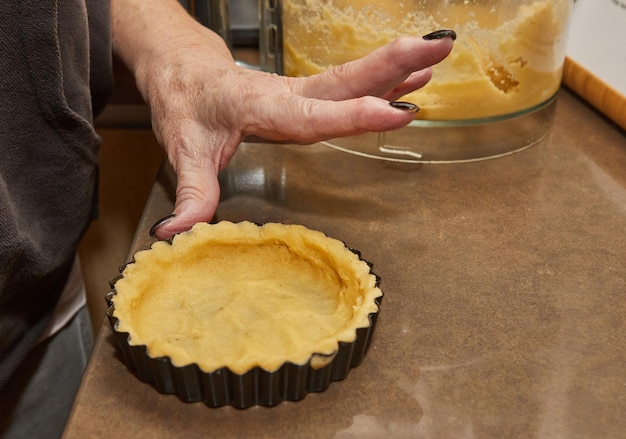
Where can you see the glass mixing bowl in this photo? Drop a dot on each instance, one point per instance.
(492, 96)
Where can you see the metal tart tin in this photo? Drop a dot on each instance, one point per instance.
(291, 382)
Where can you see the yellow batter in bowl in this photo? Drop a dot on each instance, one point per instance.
(505, 59)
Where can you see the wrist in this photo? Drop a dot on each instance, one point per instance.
(155, 37)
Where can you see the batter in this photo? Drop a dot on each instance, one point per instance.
(505, 60)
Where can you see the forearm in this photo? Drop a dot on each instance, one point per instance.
(144, 32)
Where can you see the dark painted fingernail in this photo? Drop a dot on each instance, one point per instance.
(439, 34)
(406, 106)
(159, 223)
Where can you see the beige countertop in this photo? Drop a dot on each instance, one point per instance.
(505, 294)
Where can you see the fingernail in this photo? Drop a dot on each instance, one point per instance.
(439, 34)
(406, 106)
(159, 223)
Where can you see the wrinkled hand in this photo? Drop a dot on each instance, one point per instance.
(203, 105)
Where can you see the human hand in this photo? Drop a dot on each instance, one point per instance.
(202, 122)
(203, 105)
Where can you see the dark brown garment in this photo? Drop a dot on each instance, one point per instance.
(53, 54)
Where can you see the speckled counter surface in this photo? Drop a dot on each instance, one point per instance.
(505, 295)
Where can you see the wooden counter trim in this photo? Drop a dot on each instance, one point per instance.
(599, 94)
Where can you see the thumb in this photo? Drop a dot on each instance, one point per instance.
(197, 197)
